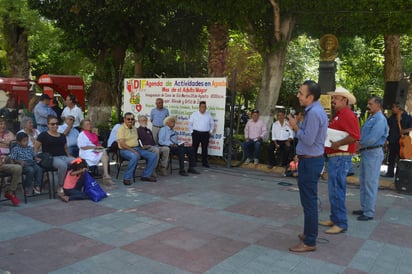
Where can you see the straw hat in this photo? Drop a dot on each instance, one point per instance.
(345, 93)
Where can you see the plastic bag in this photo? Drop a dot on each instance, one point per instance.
(92, 188)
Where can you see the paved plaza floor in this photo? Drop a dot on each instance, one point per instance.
(222, 221)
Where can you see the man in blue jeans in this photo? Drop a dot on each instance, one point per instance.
(255, 132)
(373, 137)
(311, 140)
(127, 140)
(340, 153)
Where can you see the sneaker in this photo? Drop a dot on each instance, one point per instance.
(256, 161)
(248, 160)
(12, 198)
(36, 190)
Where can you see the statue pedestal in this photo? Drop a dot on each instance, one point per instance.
(327, 70)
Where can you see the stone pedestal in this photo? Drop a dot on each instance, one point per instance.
(327, 70)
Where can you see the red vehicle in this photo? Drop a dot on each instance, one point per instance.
(16, 87)
(65, 85)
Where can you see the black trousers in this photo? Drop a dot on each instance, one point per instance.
(181, 151)
(201, 137)
(393, 157)
(283, 153)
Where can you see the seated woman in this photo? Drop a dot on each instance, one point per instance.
(92, 151)
(6, 136)
(53, 142)
(27, 127)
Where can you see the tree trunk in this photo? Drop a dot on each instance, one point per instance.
(106, 85)
(218, 39)
(392, 70)
(17, 48)
(274, 66)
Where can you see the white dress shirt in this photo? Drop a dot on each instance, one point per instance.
(201, 122)
(281, 132)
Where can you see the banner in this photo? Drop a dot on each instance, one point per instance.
(181, 96)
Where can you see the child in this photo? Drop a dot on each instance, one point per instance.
(73, 183)
(23, 155)
(292, 170)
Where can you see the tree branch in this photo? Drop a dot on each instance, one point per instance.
(276, 19)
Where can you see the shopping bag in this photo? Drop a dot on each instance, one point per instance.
(92, 188)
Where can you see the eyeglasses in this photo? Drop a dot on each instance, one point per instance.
(53, 124)
(130, 119)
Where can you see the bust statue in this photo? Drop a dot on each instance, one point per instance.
(329, 45)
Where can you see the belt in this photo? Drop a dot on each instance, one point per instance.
(372, 147)
(198, 131)
(158, 126)
(309, 156)
(340, 154)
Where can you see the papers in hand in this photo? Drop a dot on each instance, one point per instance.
(335, 135)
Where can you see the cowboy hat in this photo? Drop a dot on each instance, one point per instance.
(345, 93)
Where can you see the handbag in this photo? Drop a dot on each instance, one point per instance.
(92, 188)
(46, 160)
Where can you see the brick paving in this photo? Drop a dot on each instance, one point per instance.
(237, 220)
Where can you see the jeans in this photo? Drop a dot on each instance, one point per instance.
(61, 163)
(32, 171)
(75, 194)
(256, 148)
(309, 172)
(133, 159)
(370, 167)
(338, 167)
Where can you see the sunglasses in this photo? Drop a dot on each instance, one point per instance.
(130, 119)
(53, 124)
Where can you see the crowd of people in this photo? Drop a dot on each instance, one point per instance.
(301, 143)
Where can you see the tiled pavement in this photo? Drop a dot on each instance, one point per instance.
(221, 221)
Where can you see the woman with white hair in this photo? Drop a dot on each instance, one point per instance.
(27, 126)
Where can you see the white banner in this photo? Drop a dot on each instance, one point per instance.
(181, 96)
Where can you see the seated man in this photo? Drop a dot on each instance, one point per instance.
(255, 131)
(71, 134)
(15, 171)
(282, 140)
(127, 140)
(147, 142)
(168, 137)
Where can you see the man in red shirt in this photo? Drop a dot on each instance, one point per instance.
(339, 154)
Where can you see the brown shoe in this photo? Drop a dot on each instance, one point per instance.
(326, 223)
(127, 182)
(148, 179)
(301, 247)
(335, 230)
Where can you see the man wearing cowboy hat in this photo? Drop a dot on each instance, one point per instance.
(339, 158)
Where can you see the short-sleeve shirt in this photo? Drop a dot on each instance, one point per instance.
(157, 116)
(129, 135)
(51, 144)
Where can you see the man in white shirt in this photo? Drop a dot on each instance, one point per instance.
(73, 110)
(282, 139)
(201, 125)
(255, 132)
(71, 134)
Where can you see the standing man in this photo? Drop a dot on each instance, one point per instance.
(310, 148)
(148, 143)
(255, 131)
(201, 126)
(73, 110)
(340, 159)
(398, 119)
(41, 111)
(282, 139)
(71, 134)
(373, 136)
(157, 116)
(127, 140)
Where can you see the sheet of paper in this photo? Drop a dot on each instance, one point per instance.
(335, 135)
